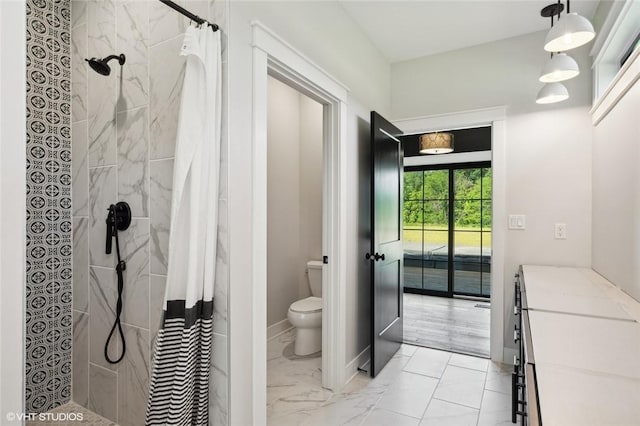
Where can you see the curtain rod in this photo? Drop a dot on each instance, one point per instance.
(189, 15)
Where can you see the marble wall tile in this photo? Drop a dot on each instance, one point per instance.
(101, 18)
(198, 7)
(220, 291)
(133, 160)
(131, 123)
(80, 368)
(81, 264)
(218, 383)
(132, 40)
(218, 13)
(156, 305)
(165, 79)
(134, 246)
(102, 120)
(160, 213)
(102, 193)
(80, 170)
(102, 89)
(79, 76)
(103, 295)
(133, 378)
(103, 388)
(78, 13)
(164, 23)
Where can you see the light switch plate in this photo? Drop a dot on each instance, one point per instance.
(561, 231)
(517, 221)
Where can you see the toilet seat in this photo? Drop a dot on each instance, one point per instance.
(307, 306)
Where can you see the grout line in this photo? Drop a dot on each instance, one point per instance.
(166, 41)
(160, 159)
(158, 275)
(147, 35)
(134, 326)
(468, 368)
(110, 268)
(458, 404)
(101, 167)
(484, 388)
(118, 83)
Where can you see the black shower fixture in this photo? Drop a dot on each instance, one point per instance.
(101, 66)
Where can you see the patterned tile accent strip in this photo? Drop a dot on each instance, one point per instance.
(49, 244)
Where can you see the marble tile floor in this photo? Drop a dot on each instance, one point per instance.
(419, 386)
(75, 412)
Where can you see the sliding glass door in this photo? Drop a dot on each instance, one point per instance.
(447, 229)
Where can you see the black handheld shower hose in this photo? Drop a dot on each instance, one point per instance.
(118, 218)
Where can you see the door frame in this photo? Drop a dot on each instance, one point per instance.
(496, 118)
(275, 57)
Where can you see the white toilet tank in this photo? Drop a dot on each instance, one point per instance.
(314, 272)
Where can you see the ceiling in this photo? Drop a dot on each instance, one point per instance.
(405, 30)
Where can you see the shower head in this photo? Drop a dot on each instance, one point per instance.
(101, 66)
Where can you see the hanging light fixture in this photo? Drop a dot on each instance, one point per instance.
(436, 143)
(570, 32)
(560, 67)
(552, 93)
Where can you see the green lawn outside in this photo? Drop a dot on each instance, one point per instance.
(413, 233)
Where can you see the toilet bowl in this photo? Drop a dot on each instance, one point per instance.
(306, 314)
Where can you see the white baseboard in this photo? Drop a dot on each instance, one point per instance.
(351, 368)
(278, 328)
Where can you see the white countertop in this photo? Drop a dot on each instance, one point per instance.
(594, 344)
(572, 397)
(585, 336)
(572, 290)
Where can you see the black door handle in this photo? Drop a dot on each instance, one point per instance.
(375, 257)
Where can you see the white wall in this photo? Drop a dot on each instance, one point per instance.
(294, 195)
(347, 54)
(548, 154)
(358, 229)
(616, 194)
(12, 206)
(311, 161)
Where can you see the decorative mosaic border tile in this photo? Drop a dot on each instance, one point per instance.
(48, 252)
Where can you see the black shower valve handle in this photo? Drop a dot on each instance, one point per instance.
(118, 219)
(110, 229)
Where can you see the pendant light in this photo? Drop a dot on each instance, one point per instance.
(552, 93)
(570, 32)
(436, 143)
(560, 67)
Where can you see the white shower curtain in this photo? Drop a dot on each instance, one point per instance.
(179, 388)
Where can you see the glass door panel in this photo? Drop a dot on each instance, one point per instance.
(472, 215)
(435, 260)
(447, 252)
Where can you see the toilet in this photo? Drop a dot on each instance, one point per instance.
(306, 314)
